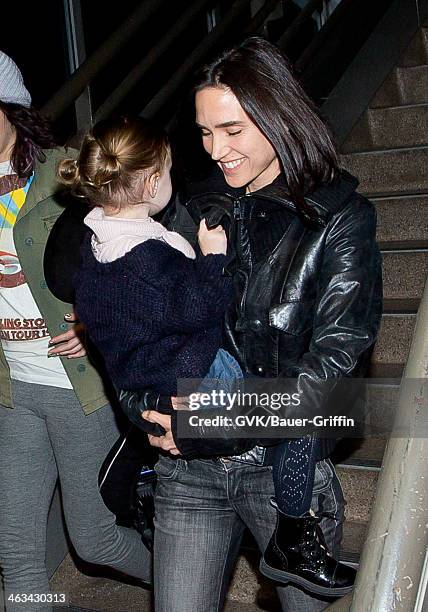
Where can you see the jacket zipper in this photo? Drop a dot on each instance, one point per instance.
(238, 216)
(237, 211)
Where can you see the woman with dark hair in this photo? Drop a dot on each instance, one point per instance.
(55, 419)
(308, 285)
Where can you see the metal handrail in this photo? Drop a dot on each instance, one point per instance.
(141, 69)
(392, 564)
(320, 37)
(294, 28)
(393, 570)
(261, 16)
(74, 86)
(83, 76)
(157, 102)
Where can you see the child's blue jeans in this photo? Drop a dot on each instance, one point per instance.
(294, 459)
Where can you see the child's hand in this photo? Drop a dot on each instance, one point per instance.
(212, 241)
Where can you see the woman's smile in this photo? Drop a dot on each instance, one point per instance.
(230, 167)
(239, 147)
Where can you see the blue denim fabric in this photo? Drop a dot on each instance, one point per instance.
(223, 373)
(294, 459)
(201, 510)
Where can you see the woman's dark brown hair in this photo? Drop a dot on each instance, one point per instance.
(33, 134)
(114, 159)
(263, 83)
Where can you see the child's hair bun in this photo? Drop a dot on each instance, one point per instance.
(114, 159)
(68, 172)
(112, 163)
(104, 167)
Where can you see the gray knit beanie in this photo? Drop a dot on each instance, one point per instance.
(12, 88)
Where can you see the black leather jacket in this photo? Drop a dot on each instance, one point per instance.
(309, 297)
(310, 307)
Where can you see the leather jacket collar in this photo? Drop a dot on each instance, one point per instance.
(217, 203)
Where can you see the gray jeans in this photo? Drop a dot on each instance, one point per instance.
(45, 436)
(202, 508)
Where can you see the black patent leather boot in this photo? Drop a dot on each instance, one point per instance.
(297, 554)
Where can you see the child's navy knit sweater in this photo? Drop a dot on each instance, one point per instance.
(154, 314)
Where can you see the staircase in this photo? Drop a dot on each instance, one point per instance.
(388, 151)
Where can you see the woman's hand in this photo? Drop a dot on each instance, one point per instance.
(212, 241)
(180, 402)
(70, 343)
(165, 442)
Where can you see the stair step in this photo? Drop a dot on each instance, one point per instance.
(100, 589)
(382, 401)
(249, 590)
(359, 488)
(72, 609)
(400, 329)
(405, 85)
(360, 452)
(391, 372)
(388, 128)
(417, 52)
(400, 306)
(248, 584)
(390, 172)
(354, 536)
(403, 217)
(403, 245)
(239, 606)
(404, 274)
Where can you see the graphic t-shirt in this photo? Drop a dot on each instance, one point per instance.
(23, 332)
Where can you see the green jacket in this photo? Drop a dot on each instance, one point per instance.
(31, 230)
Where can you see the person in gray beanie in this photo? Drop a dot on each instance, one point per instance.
(55, 419)
(12, 88)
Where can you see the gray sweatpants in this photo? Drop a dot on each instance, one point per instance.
(45, 436)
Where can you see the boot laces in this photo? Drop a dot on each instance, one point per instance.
(315, 536)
